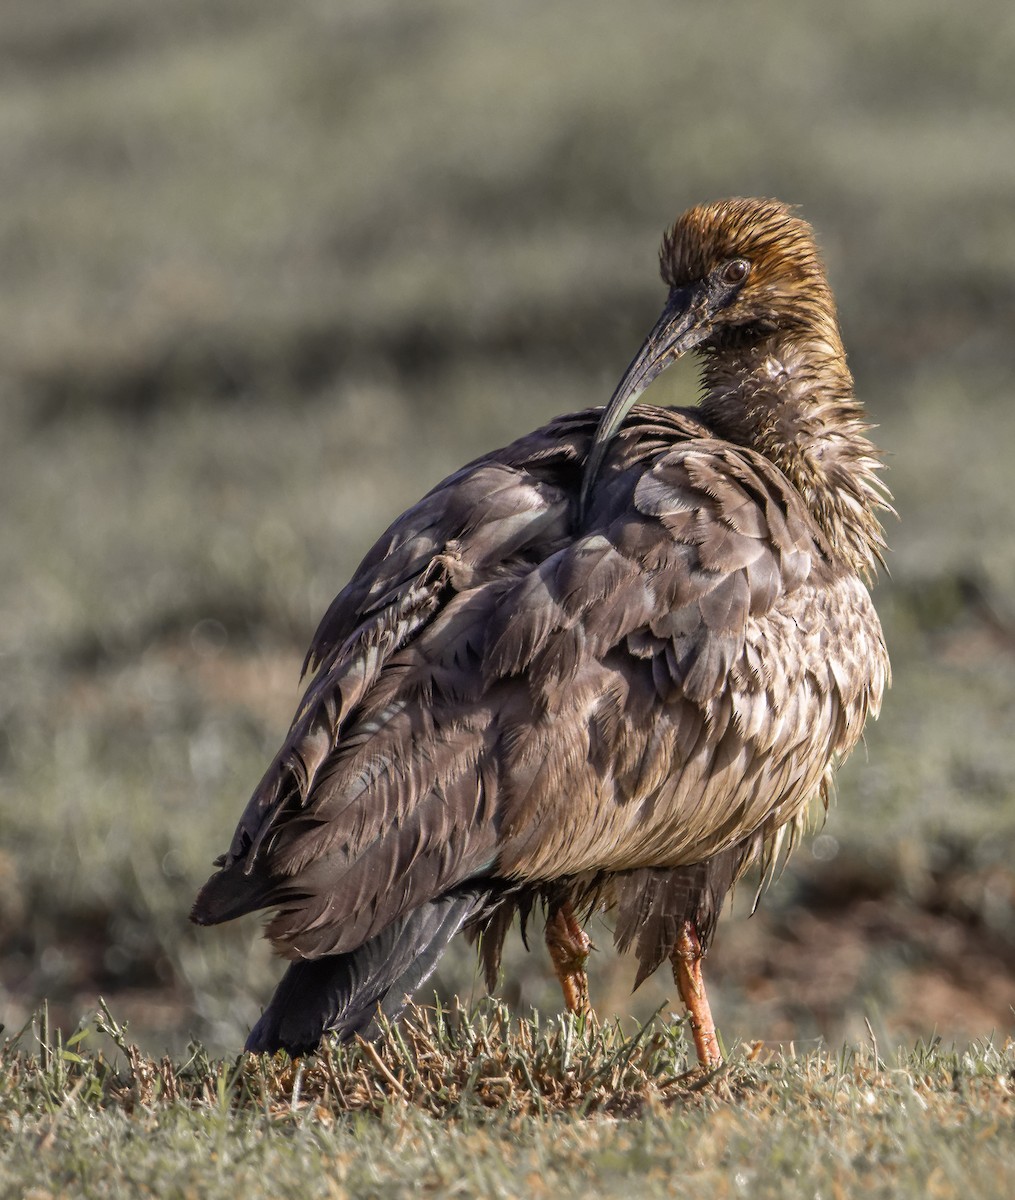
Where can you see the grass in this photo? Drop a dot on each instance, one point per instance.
(481, 1103)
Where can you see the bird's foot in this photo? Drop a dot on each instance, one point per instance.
(686, 957)
(569, 946)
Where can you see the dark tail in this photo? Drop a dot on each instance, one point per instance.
(345, 993)
(235, 891)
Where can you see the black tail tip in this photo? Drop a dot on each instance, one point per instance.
(232, 892)
(203, 910)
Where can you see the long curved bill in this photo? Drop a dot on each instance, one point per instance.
(679, 328)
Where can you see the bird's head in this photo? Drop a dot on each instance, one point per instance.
(738, 271)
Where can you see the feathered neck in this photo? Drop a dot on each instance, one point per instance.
(789, 395)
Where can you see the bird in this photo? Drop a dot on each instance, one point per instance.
(610, 666)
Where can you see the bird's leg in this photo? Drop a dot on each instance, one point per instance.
(686, 957)
(569, 947)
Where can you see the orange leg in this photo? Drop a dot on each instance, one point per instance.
(686, 957)
(569, 947)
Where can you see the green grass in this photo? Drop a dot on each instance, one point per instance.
(483, 1104)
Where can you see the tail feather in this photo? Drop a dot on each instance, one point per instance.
(346, 993)
(234, 891)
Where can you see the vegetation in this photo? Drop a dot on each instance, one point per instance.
(482, 1104)
(269, 272)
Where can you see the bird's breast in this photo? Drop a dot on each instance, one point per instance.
(627, 780)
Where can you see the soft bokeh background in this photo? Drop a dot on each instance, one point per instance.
(268, 272)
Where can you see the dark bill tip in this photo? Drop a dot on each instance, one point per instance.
(680, 327)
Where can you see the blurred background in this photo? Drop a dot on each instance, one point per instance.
(268, 272)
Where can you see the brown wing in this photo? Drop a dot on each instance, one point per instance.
(552, 707)
(693, 700)
(488, 519)
(495, 516)
(677, 683)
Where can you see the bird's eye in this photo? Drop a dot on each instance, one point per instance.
(736, 270)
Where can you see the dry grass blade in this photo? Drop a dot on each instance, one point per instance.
(448, 1062)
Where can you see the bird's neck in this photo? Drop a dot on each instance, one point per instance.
(789, 395)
